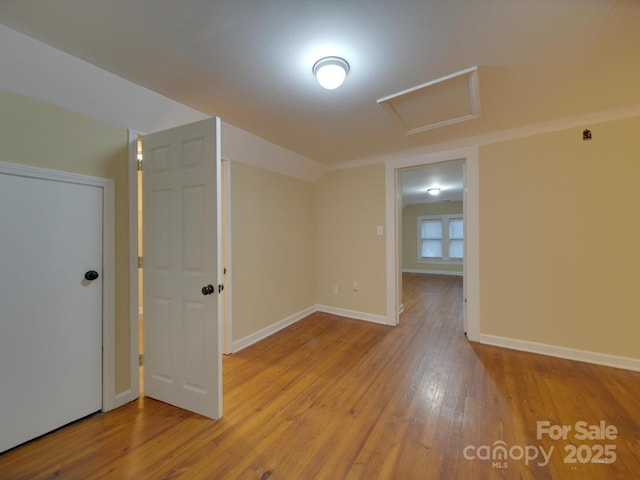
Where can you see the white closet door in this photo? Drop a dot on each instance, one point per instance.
(50, 314)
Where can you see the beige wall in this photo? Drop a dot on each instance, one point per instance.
(37, 134)
(558, 257)
(559, 237)
(410, 215)
(350, 204)
(273, 248)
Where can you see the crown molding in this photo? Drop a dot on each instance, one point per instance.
(578, 121)
(37, 70)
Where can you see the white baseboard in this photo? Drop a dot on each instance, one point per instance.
(432, 272)
(562, 352)
(343, 312)
(238, 345)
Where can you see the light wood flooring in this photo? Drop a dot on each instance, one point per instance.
(333, 398)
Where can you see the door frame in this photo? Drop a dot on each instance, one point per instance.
(134, 284)
(108, 262)
(226, 296)
(470, 156)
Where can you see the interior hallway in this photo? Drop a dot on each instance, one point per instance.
(332, 398)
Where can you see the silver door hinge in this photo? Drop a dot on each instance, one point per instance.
(139, 165)
(139, 262)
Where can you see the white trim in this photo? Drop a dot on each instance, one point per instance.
(108, 262)
(108, 299)
(578, 355)
(471, 213)
(135, 309)
(343, 312)
(124, 397)
(472, 245)
(270, 330)
(54, 175)
(556, 125)
(432, 272)
(249, 149)
(472, 90)
(255, 337)
(37, 70)
(498, 136)
(440, 261)
(227, 341)
(219, 262)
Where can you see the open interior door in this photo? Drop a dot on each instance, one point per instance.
(182, 354)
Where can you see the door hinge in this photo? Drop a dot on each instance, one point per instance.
(140, 360)
(139, 165)
(139, 262)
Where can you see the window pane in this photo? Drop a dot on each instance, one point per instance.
(456, 228)
(456, 248)
(431, 229)
(431, 249)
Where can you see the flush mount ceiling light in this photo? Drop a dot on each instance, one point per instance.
(433, 191)
(331, 71)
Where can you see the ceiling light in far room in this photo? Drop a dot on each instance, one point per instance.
(433, 191)
(331, 71)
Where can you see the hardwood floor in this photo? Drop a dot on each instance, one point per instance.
(333, 398)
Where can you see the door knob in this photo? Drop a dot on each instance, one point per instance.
(208, 290)
(91, 275)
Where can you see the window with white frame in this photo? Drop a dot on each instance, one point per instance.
(441, 238)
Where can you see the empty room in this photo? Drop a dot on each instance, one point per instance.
(282, 239)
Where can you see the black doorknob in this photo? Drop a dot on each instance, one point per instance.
(208, 290)
(91, 275)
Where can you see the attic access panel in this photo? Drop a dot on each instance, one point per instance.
(443, 101)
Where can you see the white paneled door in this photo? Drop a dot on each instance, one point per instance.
(182, 354)
(50, 305)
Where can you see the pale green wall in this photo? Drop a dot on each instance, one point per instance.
(350, 204)
(410, 215)
(273, 248)
(37, 134)
(559, 237)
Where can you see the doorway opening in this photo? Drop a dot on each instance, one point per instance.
(224, 295)
(182, 267)
(140, 266)
(393, 170)
(431, 238)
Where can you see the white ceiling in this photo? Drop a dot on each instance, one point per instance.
(449, 177)
(249, 61)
